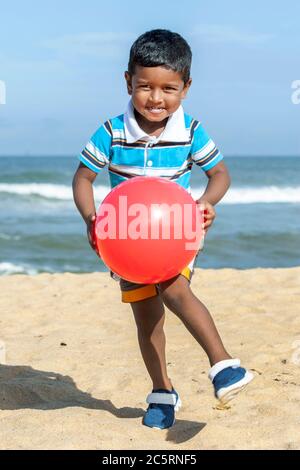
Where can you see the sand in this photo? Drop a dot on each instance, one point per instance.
(74, 377)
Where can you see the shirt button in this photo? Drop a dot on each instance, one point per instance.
(149, 163)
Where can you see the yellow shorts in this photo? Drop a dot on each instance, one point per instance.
(132, 292)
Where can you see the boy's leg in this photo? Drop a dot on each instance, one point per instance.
(149, 316)
(227, 376)
(179, 298)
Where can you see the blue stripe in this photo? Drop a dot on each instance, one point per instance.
(115, 179)
(184, 180)
(200, 140)
(90, 165)
(162, 158)
(93, 159)
(213, 163)
(102, 141)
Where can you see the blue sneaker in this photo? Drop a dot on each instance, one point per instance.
(161, 410)
(229, 379)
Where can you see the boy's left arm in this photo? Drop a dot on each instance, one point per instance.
(218, 184)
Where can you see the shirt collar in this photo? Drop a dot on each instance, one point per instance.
(175, 130)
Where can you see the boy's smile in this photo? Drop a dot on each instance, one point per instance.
(156, 94)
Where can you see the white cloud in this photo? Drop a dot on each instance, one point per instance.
(214, 33)
(97, 44)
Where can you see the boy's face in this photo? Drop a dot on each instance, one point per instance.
(156, 91)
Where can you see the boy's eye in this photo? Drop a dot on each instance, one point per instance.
(170, 88)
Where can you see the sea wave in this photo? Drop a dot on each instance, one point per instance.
(5, 236)
(7, 268)
(49, 191)
(236, 195)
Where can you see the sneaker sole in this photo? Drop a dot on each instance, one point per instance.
(227, 394)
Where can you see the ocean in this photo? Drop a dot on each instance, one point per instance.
(257, 223)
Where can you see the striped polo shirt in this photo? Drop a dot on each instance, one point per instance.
(128, 151)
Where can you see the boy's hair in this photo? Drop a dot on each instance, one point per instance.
(161, 47)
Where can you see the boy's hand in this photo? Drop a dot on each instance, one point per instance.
(208, 213)
(91, 234)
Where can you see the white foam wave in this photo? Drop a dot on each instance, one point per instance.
(267, 194)
(4, 236)
(7, 268)
(235, 195)
(49, 191)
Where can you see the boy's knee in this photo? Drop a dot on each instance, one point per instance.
(174, 295)
(173, 300)
(149, 315)
(148, 330)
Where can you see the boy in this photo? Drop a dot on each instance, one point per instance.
(156, 138)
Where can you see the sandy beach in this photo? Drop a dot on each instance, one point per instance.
(74, 377)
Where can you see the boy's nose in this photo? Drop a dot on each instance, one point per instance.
(156, 96)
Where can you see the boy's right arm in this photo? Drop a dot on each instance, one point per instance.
(84, 199)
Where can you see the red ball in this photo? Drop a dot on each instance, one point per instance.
(148, 229)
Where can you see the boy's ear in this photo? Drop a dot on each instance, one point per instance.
(186, 88)
(128, 79)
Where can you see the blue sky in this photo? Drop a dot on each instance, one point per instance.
(63, 61)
